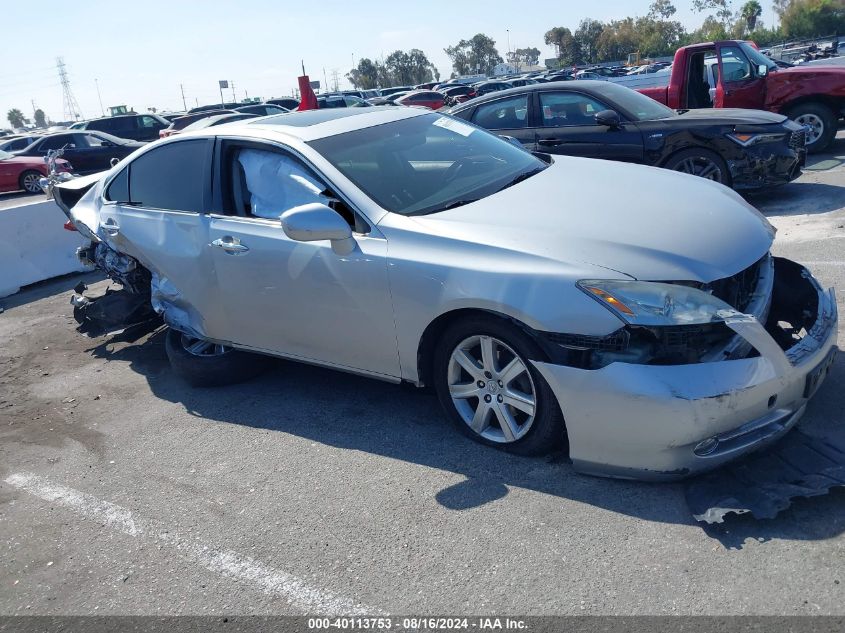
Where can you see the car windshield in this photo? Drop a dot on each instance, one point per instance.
(5, 155)
(757, 58)
(635, 104)
(427, 163)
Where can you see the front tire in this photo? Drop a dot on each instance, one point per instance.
(702, 163)
(204, 364)
(491, 391)
(28, 181)
(821, 122)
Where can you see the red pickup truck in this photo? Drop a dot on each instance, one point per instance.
(734, 74)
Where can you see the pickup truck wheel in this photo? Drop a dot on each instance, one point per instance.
(820, 122)
(702, 163)
(201, 363)
(490, 390)
(29, 181)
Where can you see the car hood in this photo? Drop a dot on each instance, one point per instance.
(728, 116)
(644, 222)
(24, 160)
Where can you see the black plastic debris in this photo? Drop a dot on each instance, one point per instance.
(765, 483)
(112, 312)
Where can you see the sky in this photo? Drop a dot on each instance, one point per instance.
(143, 54)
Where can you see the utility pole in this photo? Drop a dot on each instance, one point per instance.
(99, 98)
(335, 80)
(234, 98)
(70, 107)
(184, 105)
(325, 81)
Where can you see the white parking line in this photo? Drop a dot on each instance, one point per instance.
(225, 562)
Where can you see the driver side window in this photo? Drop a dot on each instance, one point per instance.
(735, 65)
(264, 183)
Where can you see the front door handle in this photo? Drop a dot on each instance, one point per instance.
(231, 245)
(110, 227)
(550, 142)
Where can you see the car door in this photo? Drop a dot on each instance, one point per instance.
(507, 116)
(566, 125)
(154, 210)
(74, 150)
(738, 85)
(297, 299)
(148, 128)
(100, 152)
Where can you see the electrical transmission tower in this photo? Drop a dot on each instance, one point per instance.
(70, 106)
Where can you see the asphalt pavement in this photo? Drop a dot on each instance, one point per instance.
(124, 491)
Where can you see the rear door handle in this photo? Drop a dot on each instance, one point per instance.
(550, 142)
(231, 245)
(110, 227)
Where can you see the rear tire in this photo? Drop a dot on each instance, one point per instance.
(822, 122)
(700, 162)
(204, 364)
(535, 425)
(28, 181)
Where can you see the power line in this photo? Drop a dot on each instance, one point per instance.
(70, 107)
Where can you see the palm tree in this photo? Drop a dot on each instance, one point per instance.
(15, 117)
(750, 12)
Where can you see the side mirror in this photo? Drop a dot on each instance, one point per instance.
(314, 222)
(609, 118)
(762, 70)
(511, 140)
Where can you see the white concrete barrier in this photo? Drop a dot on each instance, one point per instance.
(34, 246)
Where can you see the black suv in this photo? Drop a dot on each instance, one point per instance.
(138, 127)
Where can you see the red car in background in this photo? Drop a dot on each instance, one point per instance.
(24, 172)
(427, 98)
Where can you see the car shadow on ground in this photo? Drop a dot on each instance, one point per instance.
(351, 412)
(799, 198)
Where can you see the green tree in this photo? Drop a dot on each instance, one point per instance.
(522, 57)
(15, 117)
(661, 10)
(476, 55)
(750, 13)
(809, 18)
(564, 43)
(40, 118)
(722, 8)
(586, 39)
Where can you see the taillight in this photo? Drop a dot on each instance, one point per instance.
(69, 226)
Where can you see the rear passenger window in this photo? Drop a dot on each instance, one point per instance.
(171, 177)
(503, 114)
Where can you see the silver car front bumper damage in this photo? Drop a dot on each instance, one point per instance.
(660, 422)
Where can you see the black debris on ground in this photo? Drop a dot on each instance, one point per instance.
(765, 483)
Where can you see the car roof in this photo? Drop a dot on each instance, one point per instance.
(310, 125)
(582, 84)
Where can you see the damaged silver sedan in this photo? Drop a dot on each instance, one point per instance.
(632, 313)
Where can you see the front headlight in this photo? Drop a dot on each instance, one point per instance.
(657, 304)
(746, 140)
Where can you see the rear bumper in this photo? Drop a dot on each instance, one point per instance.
(667, 422)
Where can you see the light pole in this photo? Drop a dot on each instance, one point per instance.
(99, 98)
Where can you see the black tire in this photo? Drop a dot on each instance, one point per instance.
(217, 370)
(547, 431)
(28, 181)
(807, 114)
(702, 160)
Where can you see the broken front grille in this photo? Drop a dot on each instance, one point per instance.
(738, 291)
(798, 139)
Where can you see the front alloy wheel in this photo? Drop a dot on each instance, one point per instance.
(29, 182)
(492, 389)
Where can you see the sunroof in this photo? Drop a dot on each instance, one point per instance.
(310, 117)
